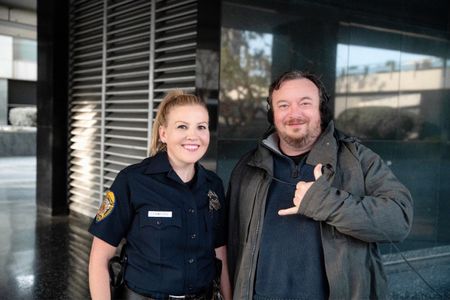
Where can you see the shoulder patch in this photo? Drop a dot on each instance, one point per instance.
(106, 207)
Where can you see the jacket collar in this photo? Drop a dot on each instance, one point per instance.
(324, 150)
(160, 164)
(262, 158)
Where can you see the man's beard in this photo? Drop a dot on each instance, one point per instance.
(301, 142)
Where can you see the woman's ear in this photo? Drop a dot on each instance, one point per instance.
(162, 133)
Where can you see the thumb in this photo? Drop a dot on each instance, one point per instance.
(317, 171)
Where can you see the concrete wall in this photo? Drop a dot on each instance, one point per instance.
(17, 142)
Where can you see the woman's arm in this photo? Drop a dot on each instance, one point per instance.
(101, 253)
(225, 287)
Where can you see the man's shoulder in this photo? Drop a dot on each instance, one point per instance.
(247, 157)
(345, 138)
(355, 146)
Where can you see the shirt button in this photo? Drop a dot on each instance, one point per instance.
(158, 222)
(191, 210)
(193, 236)
(191, 260)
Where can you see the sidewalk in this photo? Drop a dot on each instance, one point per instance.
(41, 257)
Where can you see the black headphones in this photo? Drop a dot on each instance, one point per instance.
(269, 111)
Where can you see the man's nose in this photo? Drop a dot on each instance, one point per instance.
(296, 109)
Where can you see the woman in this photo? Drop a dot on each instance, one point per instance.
(170, 210)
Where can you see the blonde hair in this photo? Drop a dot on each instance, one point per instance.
(172, 99)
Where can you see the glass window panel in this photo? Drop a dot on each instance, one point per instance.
(25, 59)
(6, 56)
(25, 50)
(246, 65)
(447, 72)
(372, 69)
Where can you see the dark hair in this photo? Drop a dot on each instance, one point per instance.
(325, 111)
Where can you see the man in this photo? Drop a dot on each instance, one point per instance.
(309, 205)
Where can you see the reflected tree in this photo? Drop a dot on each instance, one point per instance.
(245, 78)
(379, 122)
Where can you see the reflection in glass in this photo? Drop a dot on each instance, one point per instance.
(421, 72)
(387, 93)
(394, 95)
(25, 59)
(246, 62)
(366, 69)
(6, 56)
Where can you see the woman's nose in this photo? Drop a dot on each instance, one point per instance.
(192, 134)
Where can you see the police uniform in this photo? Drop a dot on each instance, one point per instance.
(171, 228)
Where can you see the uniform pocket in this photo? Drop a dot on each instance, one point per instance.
(161, 222)
(161, 232)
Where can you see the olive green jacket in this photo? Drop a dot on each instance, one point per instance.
(358, 202)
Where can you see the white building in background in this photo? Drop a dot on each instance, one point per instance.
(18, 59)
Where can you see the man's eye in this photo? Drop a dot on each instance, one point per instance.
(282, 106)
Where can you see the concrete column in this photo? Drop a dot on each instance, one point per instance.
(52, 106)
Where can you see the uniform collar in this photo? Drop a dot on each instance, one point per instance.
(160, 164)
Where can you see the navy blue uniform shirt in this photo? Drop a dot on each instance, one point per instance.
(171, 228)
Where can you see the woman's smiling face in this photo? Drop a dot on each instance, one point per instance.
(186, 134)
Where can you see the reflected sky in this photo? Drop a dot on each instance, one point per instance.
(352, 60)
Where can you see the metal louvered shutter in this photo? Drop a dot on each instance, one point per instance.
(85, 104)
(126, 122)
(124, 56)
(175, 47)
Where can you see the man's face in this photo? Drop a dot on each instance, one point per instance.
(296, 115)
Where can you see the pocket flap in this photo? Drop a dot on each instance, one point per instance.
(160, 218)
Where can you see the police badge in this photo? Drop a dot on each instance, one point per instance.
(214, 203)
(106, 207)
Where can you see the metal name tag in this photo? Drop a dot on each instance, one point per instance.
(159, 214)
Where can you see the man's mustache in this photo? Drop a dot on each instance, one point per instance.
(296, 121)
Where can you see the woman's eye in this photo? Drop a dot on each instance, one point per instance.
(202, 127)
(182, 127)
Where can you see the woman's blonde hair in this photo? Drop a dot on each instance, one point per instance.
(172, 99)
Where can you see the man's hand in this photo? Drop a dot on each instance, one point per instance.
(302, 188)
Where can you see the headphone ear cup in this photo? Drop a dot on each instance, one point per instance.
(269, 112)
(270, 116)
